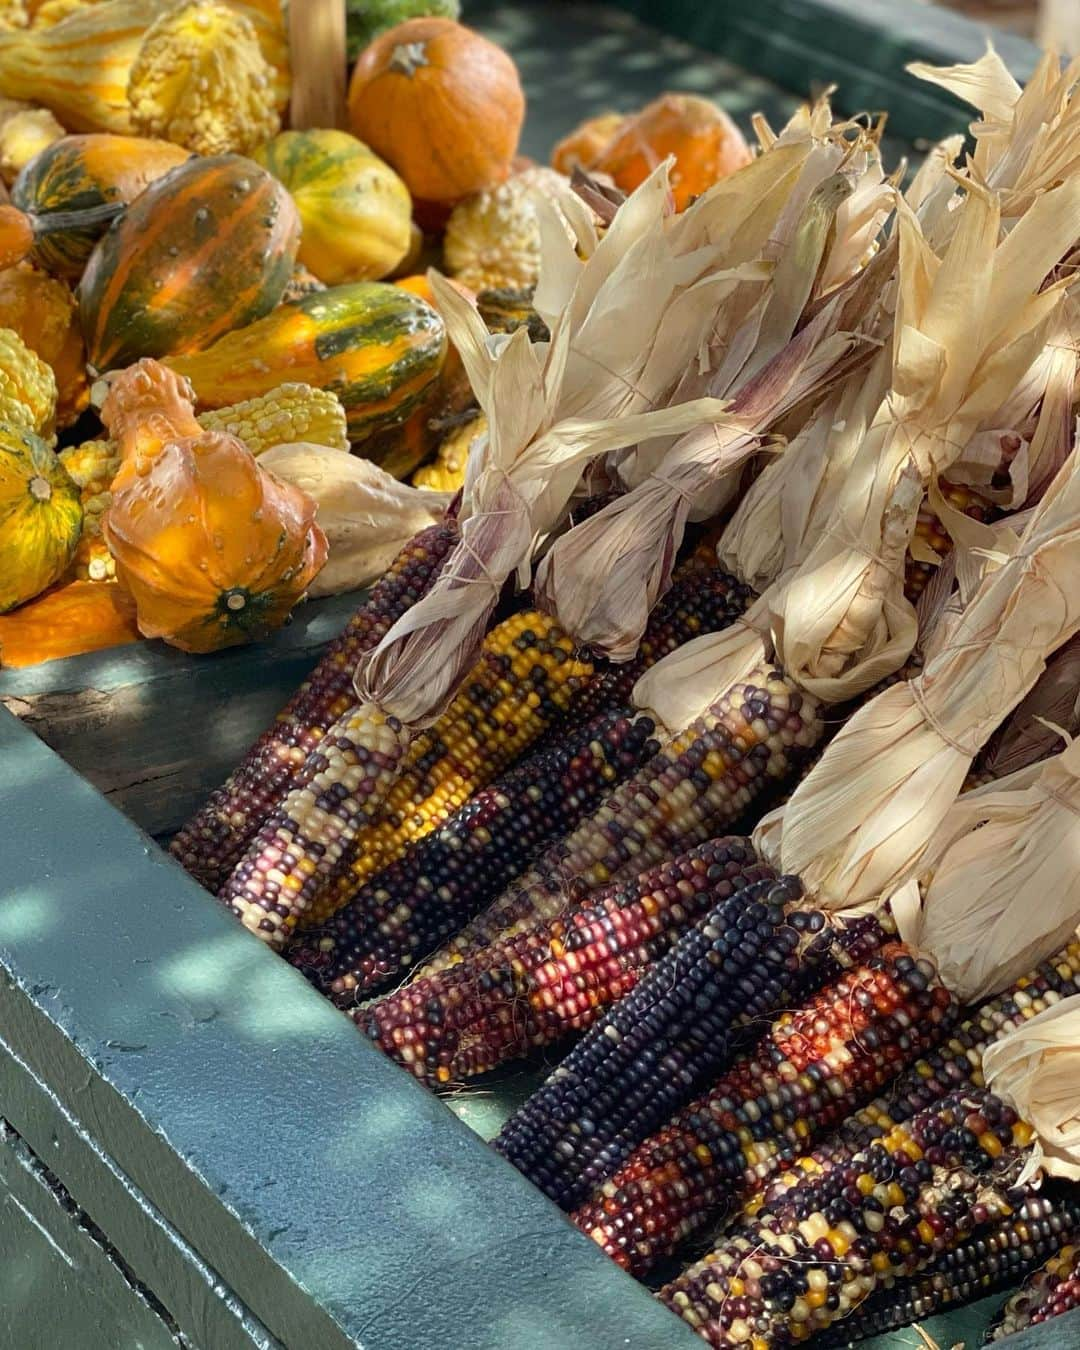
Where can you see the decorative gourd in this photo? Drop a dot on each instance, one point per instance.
(24, 134)
(92, 466)
(375, 346)
(201, 80)
(505, 311)
(13, 14)
(40, 516)
(214, 549)
(356, 212)
(288, 413)
(706, 143)
(440, 103)
(79, 68)
(447, 472)
(366, 514)
(74, 189)
(585, 144)
(69, 620)
(366, 19)
(493, 239)
(42, 310)
(27, 387)
(206, 249)
(44, 13)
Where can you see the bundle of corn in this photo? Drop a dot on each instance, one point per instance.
(566, 1134)
(548, 414)
(721, 1146)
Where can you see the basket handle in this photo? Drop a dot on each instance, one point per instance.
(317, 58)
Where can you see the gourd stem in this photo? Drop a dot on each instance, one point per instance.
(40, 488)
(408, 57)
(56, 221)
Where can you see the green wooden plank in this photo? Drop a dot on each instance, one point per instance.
(157, 1259)
(155, 729)
(58, 1285)
(342, 1203)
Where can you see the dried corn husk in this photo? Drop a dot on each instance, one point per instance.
(998, 888)
(591, 578)
(365, 513)
(968, 325)
(1026, 140)
(1035, 729)
(860, 823)
(550, 407)
(1036, 1069)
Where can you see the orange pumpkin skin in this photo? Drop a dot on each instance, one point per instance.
(706, 143)
(205, 249)
(214, 549)
(586, 143)
(73, 618)
(441, 104)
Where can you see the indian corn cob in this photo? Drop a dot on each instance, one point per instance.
(930, 532)
(812, 1068)
(1050, 1292)
(528, 679)
(537, 987)
(992, 1258)
(699, 785)
(871, 1216)
(212, 842)
(427, 894)
(686, 1020)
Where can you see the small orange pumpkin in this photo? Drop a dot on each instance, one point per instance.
(706, 143)
(586, 143)
(441, 104)
(214, 548)
(69, 620)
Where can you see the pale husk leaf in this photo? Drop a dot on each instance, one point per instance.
(1036, 1069)
(366, 515)
(998, 889)
(859, 824)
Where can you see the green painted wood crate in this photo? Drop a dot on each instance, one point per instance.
(197, 1150)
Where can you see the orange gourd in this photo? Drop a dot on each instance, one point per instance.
(214, 548)
(706, 144)
(439, 103)
(69, 620)
(42, 310)
(586, 143)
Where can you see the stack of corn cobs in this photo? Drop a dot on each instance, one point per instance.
(704, 748)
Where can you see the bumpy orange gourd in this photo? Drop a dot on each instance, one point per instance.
(42, 310)
(586, 143)
(69, 620)
(706, 143)
(214, 549)
(441, 104)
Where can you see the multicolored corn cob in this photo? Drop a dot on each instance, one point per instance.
(299, 849)
(993, 1258)
(527, 673)
(957, 1062)
(535, 988)
(529, 681)
(849, 1228)
(214, 840)
(428, 893)
(929, 529)
(688, 1018)
(699, 785)
(1051, 1291)
(806, 1076)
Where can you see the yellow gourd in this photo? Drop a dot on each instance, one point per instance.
(447, 472)
(493, 239)
(40, 516)
(27, 386)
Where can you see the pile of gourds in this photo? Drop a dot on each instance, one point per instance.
(185, 286)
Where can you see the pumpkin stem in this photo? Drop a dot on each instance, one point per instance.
(408, 57)
(40, 488)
